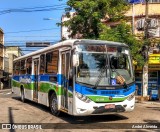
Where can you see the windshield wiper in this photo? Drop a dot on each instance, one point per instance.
(119, 78)
(100, 76)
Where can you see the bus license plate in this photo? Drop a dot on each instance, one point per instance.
(109, 106)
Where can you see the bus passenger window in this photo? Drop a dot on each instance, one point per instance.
(16, 68)
(42, 64)
(23, 67)
(52, 62)
(29, 65)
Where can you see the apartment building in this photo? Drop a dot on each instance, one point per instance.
(12, 52)
(7, 55)
(1, 49)
(136, 17)
(2, 76)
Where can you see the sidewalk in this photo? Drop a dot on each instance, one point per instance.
(153, 102)
(145, 100)
(5, 90)
(157, 102)
(150, 102)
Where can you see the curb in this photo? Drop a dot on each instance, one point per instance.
(149, 102)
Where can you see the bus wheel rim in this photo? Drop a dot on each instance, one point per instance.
(54, 106)
(22, 96)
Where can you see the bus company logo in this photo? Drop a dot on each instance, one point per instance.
(21, 126)
(25, 80)
(6, 126)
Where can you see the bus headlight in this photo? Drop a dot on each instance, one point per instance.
(83, 97)
(131, 96)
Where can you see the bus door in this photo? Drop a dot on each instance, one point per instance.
(35, 90)
(65, 77)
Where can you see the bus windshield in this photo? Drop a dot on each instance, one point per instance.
(103, 63)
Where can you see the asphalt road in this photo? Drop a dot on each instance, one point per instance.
(34, 116)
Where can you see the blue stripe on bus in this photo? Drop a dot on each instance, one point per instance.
(16, 78)
(45, 77)
(79, 88)
(90, 91)
(19, 77)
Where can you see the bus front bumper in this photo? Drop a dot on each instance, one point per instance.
(92, 108)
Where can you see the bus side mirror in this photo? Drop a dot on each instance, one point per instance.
(75, 60)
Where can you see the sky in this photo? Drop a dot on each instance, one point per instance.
(30, 20)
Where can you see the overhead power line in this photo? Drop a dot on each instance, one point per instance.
(38, 7)
(31, 30)
(24, 40)
(32, 36)
(35, 9)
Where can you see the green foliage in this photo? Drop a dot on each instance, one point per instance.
(89, 14)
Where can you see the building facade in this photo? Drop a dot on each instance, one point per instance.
(7, 55)
(1, 56)
(136, 17)
(12, 52)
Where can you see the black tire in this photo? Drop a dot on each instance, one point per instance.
(53, 104)
(22, 95)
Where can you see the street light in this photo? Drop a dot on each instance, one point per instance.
(50, 18)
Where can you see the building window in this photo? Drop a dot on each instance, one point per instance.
(42, 64)
(1, 51)
(29, 65)
(1, 63)
(52, 62)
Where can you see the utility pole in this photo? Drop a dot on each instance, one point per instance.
(146, 47)
(133, 18)
(146, 20)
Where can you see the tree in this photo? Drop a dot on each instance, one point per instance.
(89, 14)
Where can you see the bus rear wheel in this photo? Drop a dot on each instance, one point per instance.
(53, 104)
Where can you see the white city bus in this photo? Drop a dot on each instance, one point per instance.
(79, 77)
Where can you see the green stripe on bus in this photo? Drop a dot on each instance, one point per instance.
(44, 87)
(106, 99)
(29, 86)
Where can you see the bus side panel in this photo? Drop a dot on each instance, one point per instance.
(26, 81)
(16, 85)
(60, 90)
(43, 98)
(70, 100)
(44, 86)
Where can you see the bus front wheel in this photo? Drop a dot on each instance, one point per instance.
(53, 104)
